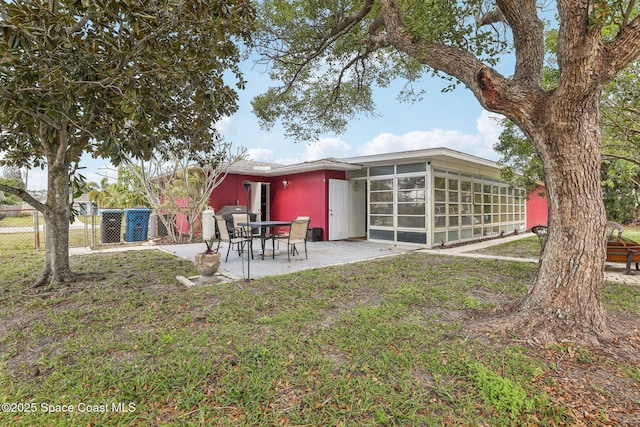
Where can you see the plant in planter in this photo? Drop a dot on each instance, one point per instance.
(208, 262)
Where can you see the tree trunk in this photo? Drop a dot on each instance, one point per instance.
(57, 213)
(565, 302)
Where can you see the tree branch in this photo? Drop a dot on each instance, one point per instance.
(489, 18)
(629, 159)
(78, 26)
(528, 38)
(24, 195)
(622, 50)
(6, 94)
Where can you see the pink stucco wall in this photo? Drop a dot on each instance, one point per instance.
(307, 194)
(231, 191)
(537, 208)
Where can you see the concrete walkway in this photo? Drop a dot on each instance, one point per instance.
(325, 254)
(614, 272)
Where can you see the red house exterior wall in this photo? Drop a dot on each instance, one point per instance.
(307, 194)
(231, 191)
(537, 208)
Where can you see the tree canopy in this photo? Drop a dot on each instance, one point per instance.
(620, 115)
(327, 56)
(113, 78)
(116, 77)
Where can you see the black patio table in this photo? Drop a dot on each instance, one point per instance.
(264, 226)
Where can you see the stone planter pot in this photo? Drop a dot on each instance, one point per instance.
(207, 264)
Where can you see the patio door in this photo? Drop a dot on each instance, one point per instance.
(338, 209)
(260, 200)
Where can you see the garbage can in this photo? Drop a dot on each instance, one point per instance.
(162, 229)
(314, 234)
(208, 224)
(137, 224)
(110, 225)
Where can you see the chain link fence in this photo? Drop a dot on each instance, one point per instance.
(22, 227)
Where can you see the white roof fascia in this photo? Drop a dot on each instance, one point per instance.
(426, 154)
(324, 164)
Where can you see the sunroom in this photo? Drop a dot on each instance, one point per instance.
(432, 197)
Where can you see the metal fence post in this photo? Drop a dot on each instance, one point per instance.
(36, 222)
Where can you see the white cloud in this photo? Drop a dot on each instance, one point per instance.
(325, 148)
(37, 179)
(479, 144)
(261, 154)
(226, 126)
(321, 149)
(489, 126)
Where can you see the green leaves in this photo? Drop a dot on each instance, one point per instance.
(329, 56)
(125, 74)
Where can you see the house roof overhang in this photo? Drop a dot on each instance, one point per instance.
(272, 169)
(443, 154)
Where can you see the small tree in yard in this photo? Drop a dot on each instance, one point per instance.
(329, 54)
(117, 79)
(183, 184)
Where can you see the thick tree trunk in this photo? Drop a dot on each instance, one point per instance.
(565, 300)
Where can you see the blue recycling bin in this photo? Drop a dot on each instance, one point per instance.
(137, 224)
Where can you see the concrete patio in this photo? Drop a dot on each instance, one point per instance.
(321, 254)
(325, 254)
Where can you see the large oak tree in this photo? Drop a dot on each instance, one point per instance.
(114, 78)
(329, 55)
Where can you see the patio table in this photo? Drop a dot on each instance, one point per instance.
(264, 226)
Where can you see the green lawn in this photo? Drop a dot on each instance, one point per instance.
(17, 221)
(529, 247)
(387, 342)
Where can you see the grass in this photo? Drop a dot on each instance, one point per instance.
(374, 343)
(25, 220)
(529, 247)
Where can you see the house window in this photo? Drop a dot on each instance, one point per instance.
(381, 202)
(470, 207)
(411, 202)
(398, 203)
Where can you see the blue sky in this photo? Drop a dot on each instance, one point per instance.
(454, 120)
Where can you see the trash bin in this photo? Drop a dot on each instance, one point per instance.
(137, 224)
(162, 229)
(110, 225)
(314, 234)
(208, 224)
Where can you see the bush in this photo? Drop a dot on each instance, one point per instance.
(2, 216)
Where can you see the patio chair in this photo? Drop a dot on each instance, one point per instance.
(284, 233)
(239, 218)
(542, 232)
(238, 238)
(297, 234)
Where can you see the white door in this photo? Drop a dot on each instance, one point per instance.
(338, 209)
(256, 196)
